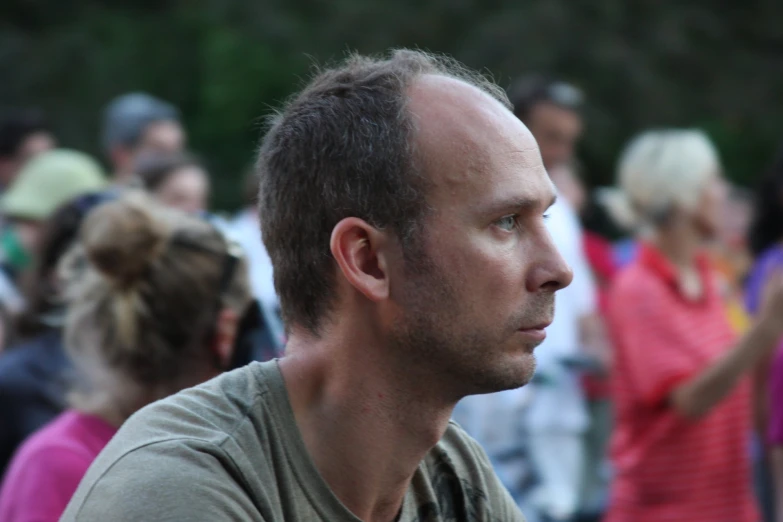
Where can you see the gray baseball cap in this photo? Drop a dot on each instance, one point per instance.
(126, 117)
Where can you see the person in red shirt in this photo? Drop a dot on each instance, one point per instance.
(680, 447)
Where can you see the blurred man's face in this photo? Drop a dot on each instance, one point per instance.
(29, 233)
(35, 144)
(557, 131)
(32, 145)
(186, 189)
(159, 137)
(162, 136)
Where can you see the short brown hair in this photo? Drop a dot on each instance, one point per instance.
(144, 289)
(344, 147)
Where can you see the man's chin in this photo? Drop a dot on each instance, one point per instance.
(512, 375)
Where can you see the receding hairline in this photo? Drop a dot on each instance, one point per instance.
(454, 87)
(450, 113)
(407, 64)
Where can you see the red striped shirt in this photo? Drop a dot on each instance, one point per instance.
(669, 468)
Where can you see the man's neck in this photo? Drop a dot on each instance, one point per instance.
(366, 430)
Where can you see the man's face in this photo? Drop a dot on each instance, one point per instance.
(476, 298)
(162, 137)
(557, 131)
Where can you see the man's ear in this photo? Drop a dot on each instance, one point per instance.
(225, 335)
(362, 253)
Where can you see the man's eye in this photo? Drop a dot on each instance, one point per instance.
(507, 223)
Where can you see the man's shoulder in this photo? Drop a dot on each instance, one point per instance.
(212, 411)
(200, 438)
(225, 414)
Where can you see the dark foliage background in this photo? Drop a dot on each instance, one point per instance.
(713, 64)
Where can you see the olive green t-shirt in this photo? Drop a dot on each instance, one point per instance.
(230, 450)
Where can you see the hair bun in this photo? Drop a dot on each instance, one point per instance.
(619, 206)
(122, 238)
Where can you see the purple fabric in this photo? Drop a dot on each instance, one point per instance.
(48, 467)
(765, 265)
(775, 431)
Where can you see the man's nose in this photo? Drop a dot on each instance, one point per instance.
(551, 273)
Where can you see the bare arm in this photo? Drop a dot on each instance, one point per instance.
(697, 396)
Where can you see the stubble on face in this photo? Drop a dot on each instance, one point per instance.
(441, 333)
(471, 287)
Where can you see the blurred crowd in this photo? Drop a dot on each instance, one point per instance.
(659, 384)
(657, 390)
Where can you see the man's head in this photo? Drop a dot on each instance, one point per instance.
(404, 195)
(23, 134)
(550, 110)
(138, 124)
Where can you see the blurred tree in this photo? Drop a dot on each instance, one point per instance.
(226, 63)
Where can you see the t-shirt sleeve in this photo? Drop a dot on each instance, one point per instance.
(648, 349)
(166, 481)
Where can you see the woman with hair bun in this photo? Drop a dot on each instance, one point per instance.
(34, 370)
(681, 378)
(154, 297)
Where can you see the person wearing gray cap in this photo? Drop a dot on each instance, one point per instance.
(137, 124)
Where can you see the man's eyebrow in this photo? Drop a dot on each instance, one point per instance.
(521, 204)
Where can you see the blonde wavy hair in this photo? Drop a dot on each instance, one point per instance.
(658, 172)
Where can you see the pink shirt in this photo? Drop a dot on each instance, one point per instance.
(47, 468)
(669, 468)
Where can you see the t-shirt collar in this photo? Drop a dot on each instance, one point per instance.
(652, 258)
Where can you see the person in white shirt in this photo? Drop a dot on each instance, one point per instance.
(245, 229)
